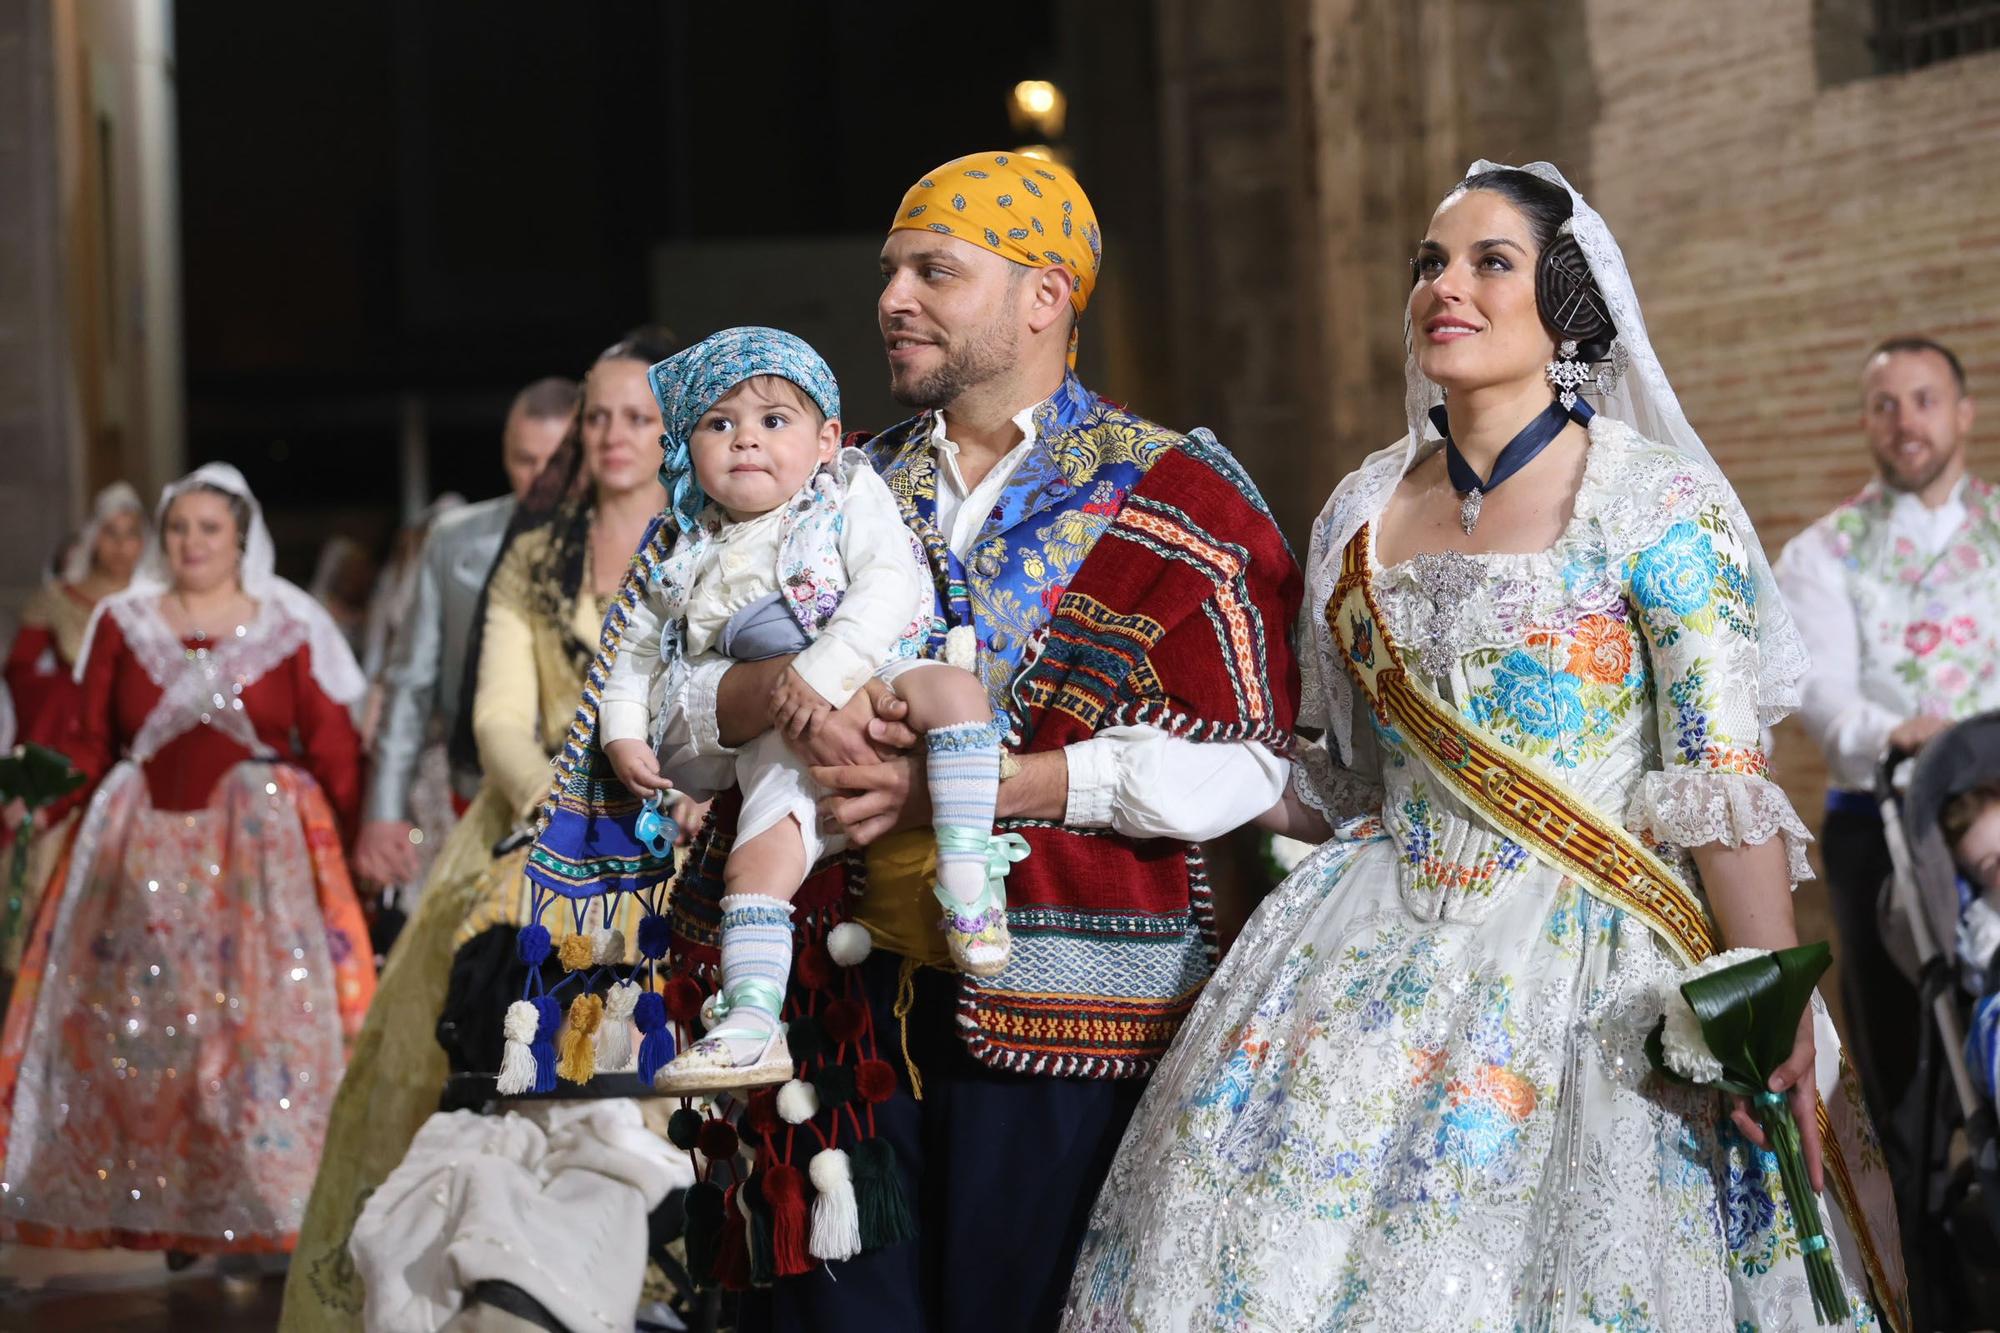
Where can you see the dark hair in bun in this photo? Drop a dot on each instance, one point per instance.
(1565, 292)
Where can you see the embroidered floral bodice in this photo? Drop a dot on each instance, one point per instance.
(1609, 657)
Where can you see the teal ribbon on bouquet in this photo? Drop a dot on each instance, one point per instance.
(1749, 1017)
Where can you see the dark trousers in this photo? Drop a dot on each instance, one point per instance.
(1882, 1018)
(1000, 1169)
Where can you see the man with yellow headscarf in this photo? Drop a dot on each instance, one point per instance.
(1125, 596)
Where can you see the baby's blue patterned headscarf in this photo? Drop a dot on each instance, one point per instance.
(694, 379)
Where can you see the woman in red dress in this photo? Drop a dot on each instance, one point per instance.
(200, 959)
(41, 673)
(41, 664)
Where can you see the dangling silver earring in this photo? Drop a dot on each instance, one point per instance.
(1567, 374)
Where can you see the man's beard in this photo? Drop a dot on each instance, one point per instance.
(983, 358)
(1917, 476)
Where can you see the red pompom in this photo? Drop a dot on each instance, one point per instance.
(842, 1021)
(717, 1140)
(760, 1116)
(683, 999)
(874, 1081)
(815, 966)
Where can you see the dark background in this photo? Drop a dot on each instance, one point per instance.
(430, 204)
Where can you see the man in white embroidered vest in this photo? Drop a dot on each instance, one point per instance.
(1897, 593)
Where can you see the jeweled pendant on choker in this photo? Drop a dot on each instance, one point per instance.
(1520, 451)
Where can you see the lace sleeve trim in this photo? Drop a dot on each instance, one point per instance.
(1337, 792)
(1691, 808)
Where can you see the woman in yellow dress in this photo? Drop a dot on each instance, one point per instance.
(565, 555)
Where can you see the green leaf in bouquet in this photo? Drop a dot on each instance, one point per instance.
(49, 776)
(1750, 1013)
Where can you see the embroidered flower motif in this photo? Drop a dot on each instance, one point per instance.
(1601, 650)
(1747, 1207)
(1961, 630)
(1678, 572)
(1922, 638)
(1507, 1090)
(1542, 701)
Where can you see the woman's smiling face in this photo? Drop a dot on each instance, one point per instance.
(1473, 317)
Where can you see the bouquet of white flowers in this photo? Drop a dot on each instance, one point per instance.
(1728, 1024)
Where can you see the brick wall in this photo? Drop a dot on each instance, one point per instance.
(1777, 227)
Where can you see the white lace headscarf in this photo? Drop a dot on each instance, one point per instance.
(333, 664)
(1638, 395)
(117, 498)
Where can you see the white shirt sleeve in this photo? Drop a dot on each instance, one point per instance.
(621, 708)
(885, 586)
(1146, 784)
(1852, 730)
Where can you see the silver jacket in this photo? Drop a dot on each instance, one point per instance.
(427, 657)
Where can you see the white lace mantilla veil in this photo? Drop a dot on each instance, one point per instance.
(113, 500)
(333, 664)
(1639, 396)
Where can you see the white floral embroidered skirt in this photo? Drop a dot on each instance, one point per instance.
(1376, 1120)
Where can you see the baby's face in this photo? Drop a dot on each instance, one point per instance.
(756, 447)
(1979, 850)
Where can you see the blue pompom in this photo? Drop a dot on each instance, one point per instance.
(651, 1012)
(655, 935)
(533, 944)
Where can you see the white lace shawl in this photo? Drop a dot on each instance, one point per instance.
(333, 666)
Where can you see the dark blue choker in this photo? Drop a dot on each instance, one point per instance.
(1520, 452)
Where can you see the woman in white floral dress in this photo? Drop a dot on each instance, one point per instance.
(1416, 1096)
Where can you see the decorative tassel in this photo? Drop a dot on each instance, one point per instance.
(732, 1249)
(614, 1039)
(517, 1062)
(785, 1192)
(757, 1217)
(836, 1225)
(607, 947)
(878, 1195)
(656, 1044)
(702, 1229)
(548, 1017)
(577, 1053)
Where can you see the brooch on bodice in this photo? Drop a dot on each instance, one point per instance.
(1447, 579)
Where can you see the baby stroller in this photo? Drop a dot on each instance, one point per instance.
(1950, 1206)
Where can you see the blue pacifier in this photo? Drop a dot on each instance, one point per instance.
(656, 829)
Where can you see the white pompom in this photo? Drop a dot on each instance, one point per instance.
(614, 1037)
(961, 647)
(607, 947)
(520, 1023)
(848, 943)
(621, 1000)
(798, 1102)
(830, 1170)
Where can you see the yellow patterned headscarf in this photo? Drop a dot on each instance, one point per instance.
(1021, 208)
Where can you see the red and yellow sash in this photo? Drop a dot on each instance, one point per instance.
(1562, 828)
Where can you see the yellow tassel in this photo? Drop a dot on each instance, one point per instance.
(576, 953)
(576, 1047)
